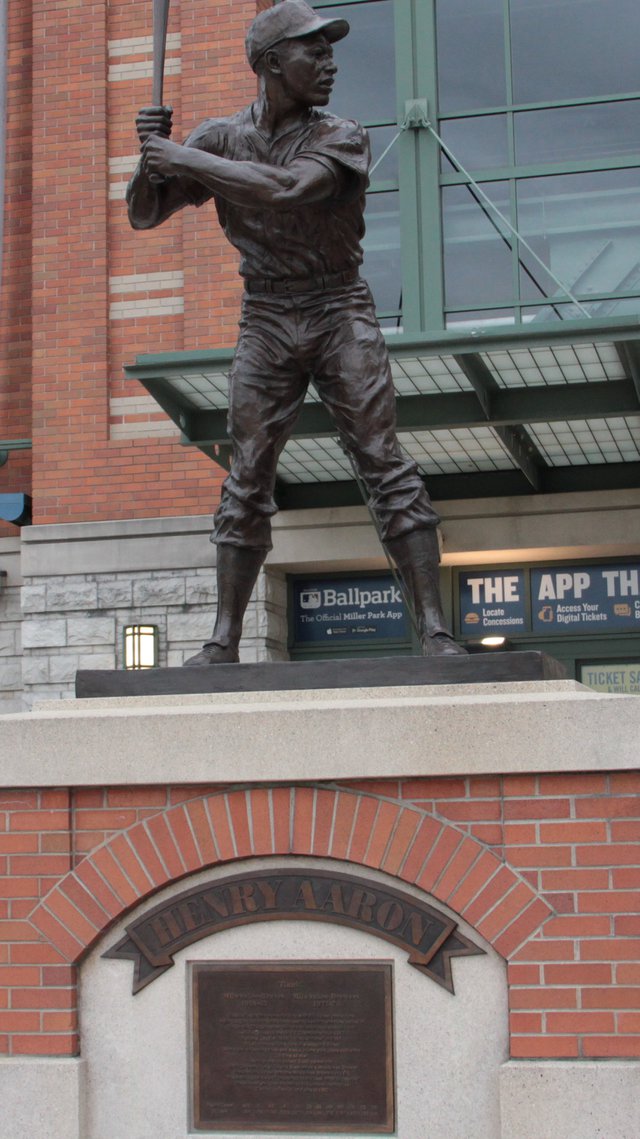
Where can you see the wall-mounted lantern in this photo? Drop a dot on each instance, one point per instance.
(141, 646)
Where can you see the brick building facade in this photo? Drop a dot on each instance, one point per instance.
(543, 867)
(542, 859)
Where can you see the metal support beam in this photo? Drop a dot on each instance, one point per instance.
(514, 439)
(524, 453)
(439, 411)
(479, 376)
(476, 484)
(629, 354)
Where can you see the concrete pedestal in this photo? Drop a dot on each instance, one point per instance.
(480, 799)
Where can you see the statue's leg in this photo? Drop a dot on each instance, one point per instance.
(354, 382)
(266, 388)
(237, 572)
(417, 558)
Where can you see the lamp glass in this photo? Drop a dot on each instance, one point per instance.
(493, 642)
(141, 646)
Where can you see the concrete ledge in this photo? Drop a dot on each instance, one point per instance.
(559, 1099)
(325, 736)
(41, 1098)
(538, 1099)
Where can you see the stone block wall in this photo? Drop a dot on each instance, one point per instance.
(77, 622)
(10, 626)
(10, 647)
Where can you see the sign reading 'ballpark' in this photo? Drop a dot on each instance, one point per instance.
(332, 611)
(430, 937)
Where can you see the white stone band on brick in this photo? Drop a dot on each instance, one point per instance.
(147, 282)
(141, 69)
(158, 306)
(123, 163)
(142, 45)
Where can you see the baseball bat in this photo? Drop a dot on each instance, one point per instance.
(160, 22)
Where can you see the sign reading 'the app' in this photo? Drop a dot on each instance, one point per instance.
(586, 599)
(492, 603)
(335, 610)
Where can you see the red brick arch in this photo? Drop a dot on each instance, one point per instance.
(351, 826)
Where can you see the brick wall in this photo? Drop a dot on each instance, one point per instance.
(83, 294)
(546, 868)
(15, 286)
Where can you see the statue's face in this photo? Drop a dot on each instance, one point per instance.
(307, 69)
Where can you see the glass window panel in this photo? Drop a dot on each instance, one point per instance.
(601, 130)
(477, 258)
(586, 228)
(365, 87)
(380, 137)
(477, 142)
(471, 65)
(574, 48)
(381, 267)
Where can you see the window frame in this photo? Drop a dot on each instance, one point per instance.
(422, 178)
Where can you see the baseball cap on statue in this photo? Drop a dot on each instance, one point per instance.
(288, 21)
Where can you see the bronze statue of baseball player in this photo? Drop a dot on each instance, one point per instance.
(288, 181)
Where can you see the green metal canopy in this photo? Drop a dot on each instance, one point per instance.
(549, 408)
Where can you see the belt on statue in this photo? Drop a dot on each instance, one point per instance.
(289, 286)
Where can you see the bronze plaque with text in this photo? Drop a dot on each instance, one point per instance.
(301, 1046)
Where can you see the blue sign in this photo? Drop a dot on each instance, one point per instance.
(586, 599)
(493, 603)
(331, 611)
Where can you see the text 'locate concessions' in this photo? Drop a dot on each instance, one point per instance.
(493, 603)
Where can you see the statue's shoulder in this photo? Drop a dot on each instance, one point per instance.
(344, 140)
(331, 125)
(212, 134)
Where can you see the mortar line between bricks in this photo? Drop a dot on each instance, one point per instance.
(372, 832)
(332, 828)
(214, 839)
(464, 877)
(411, 842)
(314, 811)
(155, 847)
(396, 824)
(69, 901)
(292, 812)
(60, 886)
(192, 832)
(247, 799)
(272, 820)
(453, 854)
(115, 858)
(234, 841)
(352, 828)
(503, 898)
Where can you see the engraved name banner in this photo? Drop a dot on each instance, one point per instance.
(430, 937)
